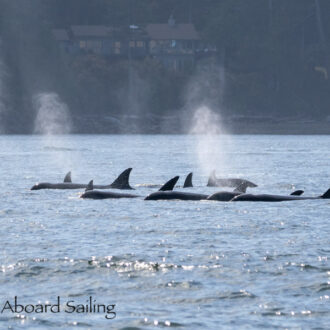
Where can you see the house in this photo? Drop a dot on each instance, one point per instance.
(103, 40)
(174, 44)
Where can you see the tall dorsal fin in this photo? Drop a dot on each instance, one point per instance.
(67, 178)
(212, 179)
(241, 188)
(188, 181)
(297, 193)
(122, 182)
(90, 186)
(326, 195)
(169, 185)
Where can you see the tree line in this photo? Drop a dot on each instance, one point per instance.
(274, 55)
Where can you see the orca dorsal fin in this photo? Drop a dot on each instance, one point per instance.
(170, 184)
(90, 186)
(326, 195)
(122, 181)
(188, 181)
(67, 178)
(297, 193)
(241, 188)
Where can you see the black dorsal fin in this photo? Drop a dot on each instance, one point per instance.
(67, 178)
(188, 181)
(90, 186)
(169, 185)
(122, 182)
(297, 193)
(326, 195)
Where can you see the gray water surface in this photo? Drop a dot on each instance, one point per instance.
(165, 263)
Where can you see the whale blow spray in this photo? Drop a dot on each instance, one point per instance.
(53, 122)
(204, 103)
(211, 143)
(53, 115)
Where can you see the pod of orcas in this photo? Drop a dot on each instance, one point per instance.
(166, 191)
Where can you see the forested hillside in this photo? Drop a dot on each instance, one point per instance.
(272, 60)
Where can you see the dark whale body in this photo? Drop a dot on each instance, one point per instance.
(122, 182)
(96, 194)
(223, 196)
(229, 182)
(166, 195)
(276, 198)
(63, 185)
(226, 196)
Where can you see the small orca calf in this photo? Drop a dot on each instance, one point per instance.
(96, 194)
(122, 182)
(230, 182)
(276, 198)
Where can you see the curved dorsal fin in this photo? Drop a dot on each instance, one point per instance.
(90, 186)
(122, 181)
(297, 193)
(188, 181)
(67, 178)
(169, 185)
(241, 188)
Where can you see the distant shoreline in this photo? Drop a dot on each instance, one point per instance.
(176, 125)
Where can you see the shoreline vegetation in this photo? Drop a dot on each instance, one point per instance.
(268, 71)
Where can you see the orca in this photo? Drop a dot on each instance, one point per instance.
(96, 194)
(166, 195)
(213, 181)
(276, 198)
(121, 182)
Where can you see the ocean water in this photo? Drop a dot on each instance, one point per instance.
(163, 264)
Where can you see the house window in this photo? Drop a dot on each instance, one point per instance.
(173, 43)
(82, 44)
(132, 44)
(140, 44)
